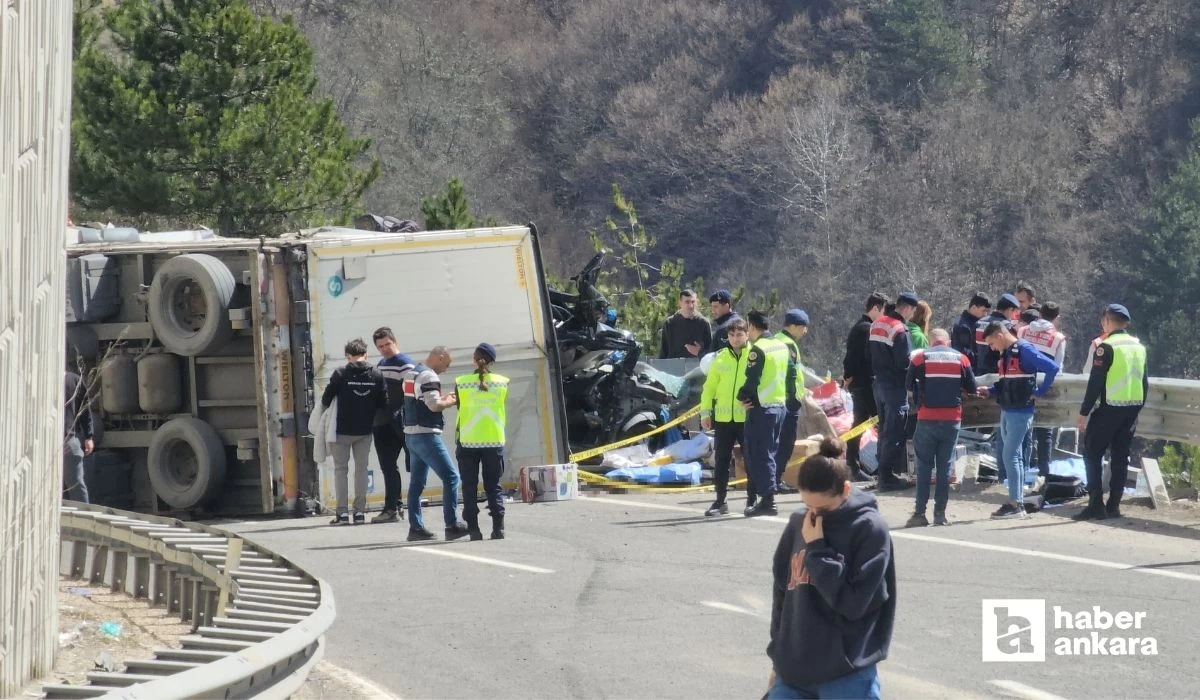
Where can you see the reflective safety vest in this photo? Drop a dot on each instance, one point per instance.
(481, 409)
(1087, 364)
(726, 375)
(794, 350)
(1046, 340)
(772, 386)
(1123, 385)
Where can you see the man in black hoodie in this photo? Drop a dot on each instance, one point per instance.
(360, 392)
(834, 593)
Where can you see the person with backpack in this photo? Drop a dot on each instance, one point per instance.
(834, 591)
(480, 436)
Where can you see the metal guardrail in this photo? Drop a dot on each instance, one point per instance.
(1172, 410)
(258, 621)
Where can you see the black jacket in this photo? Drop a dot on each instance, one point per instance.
(720, 337)
(679, 330)
(361, 392)
(834, 599)
(987, 361)
(962, 337)
(77, 416)
(857, 363)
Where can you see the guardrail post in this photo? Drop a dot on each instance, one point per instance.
(120, 570)
(99, 563)
(233, 559)
(139, 582)
(186, 604)
(174, 592)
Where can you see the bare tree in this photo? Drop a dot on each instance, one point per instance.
(825, 152)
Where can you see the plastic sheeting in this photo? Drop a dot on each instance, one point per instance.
(688, 473)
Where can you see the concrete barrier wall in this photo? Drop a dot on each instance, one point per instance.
(35, 100)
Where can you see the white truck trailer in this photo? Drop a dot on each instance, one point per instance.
(206, 355)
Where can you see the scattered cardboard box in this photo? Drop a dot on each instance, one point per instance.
(552, 482)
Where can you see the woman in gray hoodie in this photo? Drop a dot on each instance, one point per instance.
(834, 597)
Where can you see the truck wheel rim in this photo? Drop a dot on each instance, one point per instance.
(188, 305)
(181, 465)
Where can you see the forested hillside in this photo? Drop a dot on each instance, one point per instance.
(822, 148)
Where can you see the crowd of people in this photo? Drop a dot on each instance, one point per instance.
(914, 378)
(399, 405)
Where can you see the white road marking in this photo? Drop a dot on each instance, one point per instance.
(717, 605)
(479, 560)
(680, 509)
(897, 534)
(363, 687)
(1116, 565)
(1026, 692)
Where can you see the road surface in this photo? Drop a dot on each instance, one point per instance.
(640, 596)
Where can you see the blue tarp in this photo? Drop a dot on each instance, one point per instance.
(1073, 466)
(665, 474)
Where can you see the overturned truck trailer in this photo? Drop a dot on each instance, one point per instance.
(205, 355)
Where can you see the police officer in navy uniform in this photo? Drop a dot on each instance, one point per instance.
(795, 327)
(769, 391)
(1117, 389)
(1006, 312)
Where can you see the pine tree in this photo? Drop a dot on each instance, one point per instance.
(202, 108)
(448, 211)
(1166, 267)
(919, 53)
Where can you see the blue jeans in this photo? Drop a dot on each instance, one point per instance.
(860, 685)
(934, 444)
(1014, 426)
(892, 402)
(429, 452)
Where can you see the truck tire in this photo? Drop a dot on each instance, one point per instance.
(186, 462)
(189, 304)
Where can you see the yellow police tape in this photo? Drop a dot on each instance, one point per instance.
(599, 480)
(580, 456)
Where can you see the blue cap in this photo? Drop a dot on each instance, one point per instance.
(721, 295)
(1007, 301)
(795, 317)
(487, 351)
(908, 299)
(1118, 310)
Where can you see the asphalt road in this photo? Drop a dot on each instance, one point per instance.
(640, 596)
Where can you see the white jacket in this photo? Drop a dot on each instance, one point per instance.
(322, 424)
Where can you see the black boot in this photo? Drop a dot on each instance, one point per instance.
(473, 528)
(1113, 508)
(1094, 510)
(498, 527)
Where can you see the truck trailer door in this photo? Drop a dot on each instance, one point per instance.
(451, 288)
